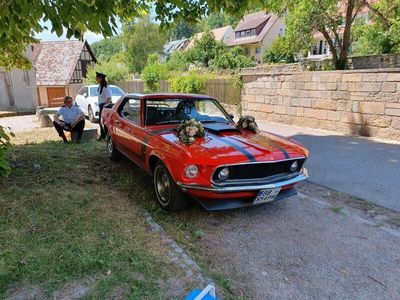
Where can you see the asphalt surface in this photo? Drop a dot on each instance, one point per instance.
(360, 167)
(303, 248)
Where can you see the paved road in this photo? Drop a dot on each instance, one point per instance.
(302, 248)
(367, 169)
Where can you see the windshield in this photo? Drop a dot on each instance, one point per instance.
(115, 91)
(176, 110)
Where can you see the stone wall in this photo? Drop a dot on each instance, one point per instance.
(359, 102)
(374, 61)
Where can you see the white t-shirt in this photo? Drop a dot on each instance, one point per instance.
(105, 93)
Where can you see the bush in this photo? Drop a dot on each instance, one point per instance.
(115, 71)
(280, 52)
(178, 61)
(5, 145)
(192, 83)
(153, 73)
(232, 60)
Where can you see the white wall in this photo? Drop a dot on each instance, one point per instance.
(273, 34)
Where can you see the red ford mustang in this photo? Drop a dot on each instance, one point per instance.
(228, 168)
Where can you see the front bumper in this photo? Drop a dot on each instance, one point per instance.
(303, 175)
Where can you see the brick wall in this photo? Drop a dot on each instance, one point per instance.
(363, 102)
(374, 61)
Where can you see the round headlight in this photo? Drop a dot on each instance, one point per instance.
(294, 166)
(191, 171)
(223, 174)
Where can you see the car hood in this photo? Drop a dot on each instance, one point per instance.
(226, 144)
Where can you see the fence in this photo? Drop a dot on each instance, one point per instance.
(220, 89)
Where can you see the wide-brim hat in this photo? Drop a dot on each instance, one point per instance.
(101, 75)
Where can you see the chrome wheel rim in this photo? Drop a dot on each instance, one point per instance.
(163, 186)
(90, 112)
(110, 146)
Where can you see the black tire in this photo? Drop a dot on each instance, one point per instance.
(169, 196)
(112, 152)
(91, 115)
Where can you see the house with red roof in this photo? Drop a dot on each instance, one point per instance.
(221, 34)
(256, 32)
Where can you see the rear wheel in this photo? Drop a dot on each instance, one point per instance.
(169, 196)
(91, 114)
(112, 152)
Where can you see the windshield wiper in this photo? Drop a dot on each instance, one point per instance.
(167, 122)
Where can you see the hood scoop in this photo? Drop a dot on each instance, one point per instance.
(220, 128)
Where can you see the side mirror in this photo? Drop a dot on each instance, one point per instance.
(231, 116)
(84, 95)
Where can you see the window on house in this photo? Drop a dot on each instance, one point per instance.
(247, 51)
(258, 49)
(280, 31)
(242, 34)
(247, 32)
(253, 32)
(237, 34)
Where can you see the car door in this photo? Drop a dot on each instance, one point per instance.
(129, 133)
(81, 99)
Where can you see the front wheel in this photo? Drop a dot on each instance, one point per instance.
(169, 196)
(112, 152)
(91, 115)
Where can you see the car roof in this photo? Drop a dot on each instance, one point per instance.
(160, 96)
(96, 85)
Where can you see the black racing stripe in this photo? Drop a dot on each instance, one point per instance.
(241, 149)
(280, 148)
(143, 150)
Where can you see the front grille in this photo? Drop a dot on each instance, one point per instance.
(259, 170)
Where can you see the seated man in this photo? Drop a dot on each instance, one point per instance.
(73, 119)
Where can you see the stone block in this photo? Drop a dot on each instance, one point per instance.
(311, 86)
(89, 134)
(368, 86)
(389, 87)
(393, 105)
(331, 77)
(260, 99)
(315, 113)
(342, 86)
(340, 95)
(353, 118)
(325, 104)
(374, 77)
(333, 115)
(305, 102)
(392, 112)
(396, 123)
(46, 121)
(372, 108)
(379, 121)
(352, 77)
(295, 102)
(249, 98)
(279, 109)
(303, 77)
(393, 77)
(267, 108)
(331, 86)
(344, 105)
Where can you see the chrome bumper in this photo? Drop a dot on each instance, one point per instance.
(303, 175)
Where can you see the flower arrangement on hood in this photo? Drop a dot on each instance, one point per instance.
(188, 130)
(247, 122)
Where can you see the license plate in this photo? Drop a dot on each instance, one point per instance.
(265, 196)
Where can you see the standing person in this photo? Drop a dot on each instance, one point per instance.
(105, 95)
(73, 119)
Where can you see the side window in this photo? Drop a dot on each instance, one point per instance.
(131, 111)
(83, 91)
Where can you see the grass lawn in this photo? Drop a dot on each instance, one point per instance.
(73, 221)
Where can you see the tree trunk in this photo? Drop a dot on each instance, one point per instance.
(344, 49)
(332, 47)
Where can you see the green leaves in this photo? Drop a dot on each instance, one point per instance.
(5, 145)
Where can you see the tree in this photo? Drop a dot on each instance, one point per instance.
(107, 48)
(205, 49)
(142, 37)
(181, 29)
(332, 18)
(116, 71)
(154, 72)
(216, 20)
(382, 35)
(279, 52)
(21, 19)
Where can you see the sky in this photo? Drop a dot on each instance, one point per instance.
(47, 36)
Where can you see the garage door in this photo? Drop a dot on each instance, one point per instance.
(56, 96)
